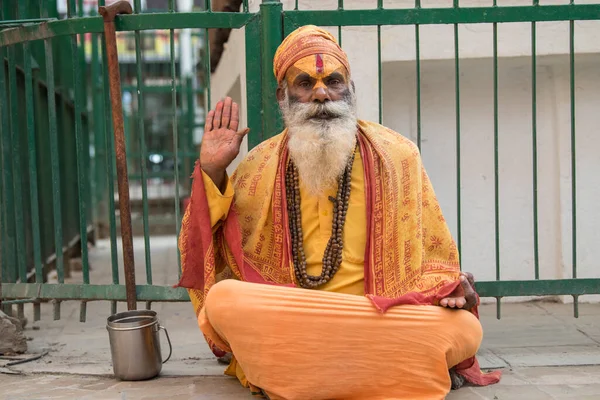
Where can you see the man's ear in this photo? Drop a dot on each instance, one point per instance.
(280, 94)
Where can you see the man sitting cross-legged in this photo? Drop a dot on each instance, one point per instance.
(344, 279)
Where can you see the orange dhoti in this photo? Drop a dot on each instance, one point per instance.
(304, 344)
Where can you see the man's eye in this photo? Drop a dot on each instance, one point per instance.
(334, 82)
(305, 84)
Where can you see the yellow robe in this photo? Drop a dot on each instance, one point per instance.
(317, 212)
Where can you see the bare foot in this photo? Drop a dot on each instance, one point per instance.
(226, 359)
(457, 380)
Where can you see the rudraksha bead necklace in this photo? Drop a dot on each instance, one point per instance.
(332, 258)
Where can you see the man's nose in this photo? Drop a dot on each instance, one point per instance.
(320, 94)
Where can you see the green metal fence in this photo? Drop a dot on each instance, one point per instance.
(47, 123)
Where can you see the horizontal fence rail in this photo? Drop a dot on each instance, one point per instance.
(55, 105)
(33, 30)
(76, 26)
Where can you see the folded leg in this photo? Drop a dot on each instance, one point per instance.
(306, 344)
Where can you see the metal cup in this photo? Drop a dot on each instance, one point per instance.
(135, 345)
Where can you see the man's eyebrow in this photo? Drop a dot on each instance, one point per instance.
(336, 75)
(303, 76)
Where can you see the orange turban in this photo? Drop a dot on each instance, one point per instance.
(306, 41)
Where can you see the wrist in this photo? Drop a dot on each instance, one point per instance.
(217, 175)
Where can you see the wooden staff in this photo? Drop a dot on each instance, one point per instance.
(108, 14)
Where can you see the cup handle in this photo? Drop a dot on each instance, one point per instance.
(168, 340)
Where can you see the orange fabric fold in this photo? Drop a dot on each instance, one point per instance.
(410, 256)
(302, 344)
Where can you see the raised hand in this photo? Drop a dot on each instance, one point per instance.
(221, 141)
(464, 296)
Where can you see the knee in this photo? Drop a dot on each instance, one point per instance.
(219, 296)
(224, 288)
(469, 331)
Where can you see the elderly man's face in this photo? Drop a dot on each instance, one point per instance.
(317, 78)
(318, 108)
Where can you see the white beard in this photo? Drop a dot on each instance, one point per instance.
(320, 148)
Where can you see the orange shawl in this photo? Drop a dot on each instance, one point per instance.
(410, 256)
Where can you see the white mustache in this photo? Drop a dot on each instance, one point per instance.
(296, 112)
(330, 109)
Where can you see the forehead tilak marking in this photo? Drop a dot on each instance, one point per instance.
(319, 63)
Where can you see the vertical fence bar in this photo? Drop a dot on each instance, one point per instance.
(207, 61)
(6, 235)
(22, 272)
(99, 176)
(245, 6)
(496, 165)
(340, 8)
(31, 154)
(62, 122)
(81, 53)
(21, 265)
(110, 168)
(79, 145)
(140, 128)
(458, 178)
(190, 95)
(175, 132)
(82, 147)
(379, 7)
(7, 205)
(54, 159)
(418, 73)
(192, 156)
(38, 108)
(85, 132)
(3, 247)
(254, 84)
(534, 146)
(127, 131)
(573, 159)
(56, 309)
(272, 30)
(94, 121)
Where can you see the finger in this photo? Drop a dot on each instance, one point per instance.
(240, 135)
(444, 302)
(218, 113)
(208, 124)
(460, 302)
(469, 277)
(470, 295)
(226, 113)
(235, 117)
(451, 303)
(243, 133)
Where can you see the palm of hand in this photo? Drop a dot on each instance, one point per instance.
(221, 142)
(219, 148)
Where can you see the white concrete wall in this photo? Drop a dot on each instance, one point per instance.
(477, 127)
